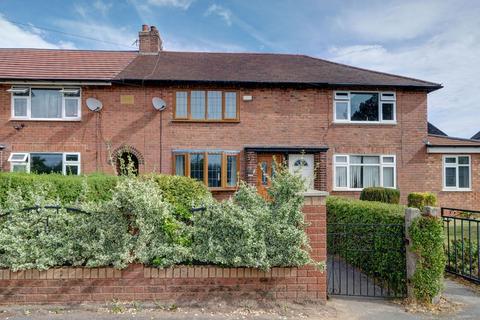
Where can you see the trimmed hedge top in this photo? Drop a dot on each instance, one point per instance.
(380, 194)
(422, 199)
(65, 189)
(182, 193)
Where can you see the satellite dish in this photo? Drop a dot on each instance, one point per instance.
(94, 104)
(159, 104)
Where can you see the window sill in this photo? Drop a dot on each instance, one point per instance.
(354, 190)
(365, 123)
(46, 120)
(457, 190)
(207, 121)
(222, 189)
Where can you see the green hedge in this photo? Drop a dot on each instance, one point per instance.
(139, 224)
(385, 195)
(427, 242)
(422, 199)
(66, 189)
(182, 193)
(249, 231)
(378, 252)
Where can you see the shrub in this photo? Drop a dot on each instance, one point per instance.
(386, 195)
(229, 235)
(427, 242)
(253, 232)
(46, 238)
(65, 189)
(183, 193)
(386, 259)
(422, 199)
(159, 238)
(135, 225)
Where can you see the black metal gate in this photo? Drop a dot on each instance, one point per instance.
(462, 239)
(366, 260)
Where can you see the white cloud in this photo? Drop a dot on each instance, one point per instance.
(182, 4)
(450, 57)
(102, 7)
(13, 36)
(400, 20)
(220, 11)
(117, 38)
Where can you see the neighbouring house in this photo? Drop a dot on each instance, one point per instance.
(222, 117)
(476, 136)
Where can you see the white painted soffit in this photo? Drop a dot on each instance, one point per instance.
(455, 149)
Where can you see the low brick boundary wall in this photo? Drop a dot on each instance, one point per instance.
(180, 284)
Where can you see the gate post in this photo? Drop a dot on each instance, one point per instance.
(411, 257)
(315, 212)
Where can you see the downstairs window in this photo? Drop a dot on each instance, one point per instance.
(355, 172)
(218, 170)
(63, 163)
(456, 173)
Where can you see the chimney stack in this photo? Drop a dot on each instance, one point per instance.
(149, 40)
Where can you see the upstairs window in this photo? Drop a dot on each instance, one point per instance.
(35, 162)
(199, 105)
(456, 173)
(45, 103)
(218, 170)
(364, 107)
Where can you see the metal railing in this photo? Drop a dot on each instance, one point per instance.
(462, 239)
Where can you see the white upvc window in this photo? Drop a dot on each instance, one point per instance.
(457, 173)
(45, 103)
(67, 163)
(355, 172)
(364, 107)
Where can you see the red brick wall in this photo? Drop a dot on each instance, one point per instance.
(275, 117)
(180, 285)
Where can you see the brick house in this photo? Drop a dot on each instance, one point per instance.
(222, 117)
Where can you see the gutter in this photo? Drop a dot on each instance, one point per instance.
(57, 82)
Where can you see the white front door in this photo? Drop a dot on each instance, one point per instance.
(302, 164)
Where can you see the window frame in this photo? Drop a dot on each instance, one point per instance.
(384, 97)
(224, 154)
(65, 163)
(456, 165)
(62, 90)
(189, 118)
(347, 164)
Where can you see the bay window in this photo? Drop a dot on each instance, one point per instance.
(456, 173)
(201, 105)
(355, 172)
(364, 107)
(36, 162)
(45, 103)
(217, 169)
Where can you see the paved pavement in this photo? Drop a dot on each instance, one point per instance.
(466, 300)
(336, 308)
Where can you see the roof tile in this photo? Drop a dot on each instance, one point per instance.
(48, 64)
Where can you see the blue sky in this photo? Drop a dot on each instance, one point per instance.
(431, 40)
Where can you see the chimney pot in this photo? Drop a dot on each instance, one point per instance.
(149, 40)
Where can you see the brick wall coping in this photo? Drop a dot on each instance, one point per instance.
(139, 270)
